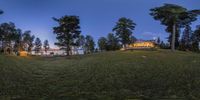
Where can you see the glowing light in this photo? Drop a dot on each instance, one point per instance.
(142, 45)
(23, 53)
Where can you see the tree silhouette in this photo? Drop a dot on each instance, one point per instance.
(89, 44)
(195, 39)
(123, 30)
(81, 42)
(38, 45)
(158, 41)
(177, 36)
(112, 42)
(102, 43)
(13, 39)
(186, 38)
(173, 16)
(28, 41)
(18, 41)
(7, 36)
(46, 45)
(67, 31)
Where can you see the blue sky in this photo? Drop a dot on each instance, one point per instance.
(98, 17)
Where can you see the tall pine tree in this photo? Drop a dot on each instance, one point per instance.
(123, 30)
(196, 39)
(174, 17)
(38, 45)
(102, 43)
(112, 42)
(186, 38)
(28, 41)
(46, 45)
(67, 31)
(89, 44)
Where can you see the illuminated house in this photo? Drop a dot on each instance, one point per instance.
(142, 45)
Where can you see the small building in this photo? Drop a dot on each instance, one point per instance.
(23, 53)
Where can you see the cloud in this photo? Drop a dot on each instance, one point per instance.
(150, 35)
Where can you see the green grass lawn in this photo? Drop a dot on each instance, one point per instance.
(130, 75)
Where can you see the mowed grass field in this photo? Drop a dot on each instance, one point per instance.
(120, 75)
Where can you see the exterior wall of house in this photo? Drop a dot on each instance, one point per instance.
(49, 52)
(57, 52)
(142, 45)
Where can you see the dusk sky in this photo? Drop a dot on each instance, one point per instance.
(97, 17)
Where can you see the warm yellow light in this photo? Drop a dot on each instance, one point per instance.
(142, 44)
(23, 53)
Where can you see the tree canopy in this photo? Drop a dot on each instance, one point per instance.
(46, 45)
(195, 39)
(67, 31)
(38, 45)
(81, 40)
(123, 30)
(102, 43)
(28, 40)
(174, 17)
(112, 42)
(89, 44)
(14, 39)
(8, 34)
(186, 37)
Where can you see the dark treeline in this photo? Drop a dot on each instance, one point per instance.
(13, 39)
(189, 41)
(174, 17)
(68, 33)
(123, 36)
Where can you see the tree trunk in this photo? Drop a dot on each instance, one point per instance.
(173, 38)
(76, 49)
(124, 46)
(11, 48)
(1, 48)
(68, 50)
